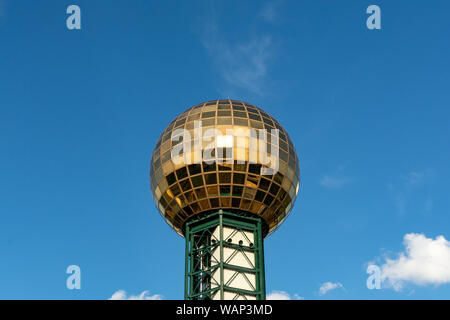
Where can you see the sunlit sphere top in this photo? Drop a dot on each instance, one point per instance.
(224, 154)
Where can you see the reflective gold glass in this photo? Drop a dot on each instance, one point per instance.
(182, 191)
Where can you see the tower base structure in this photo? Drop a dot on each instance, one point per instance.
(224, 257)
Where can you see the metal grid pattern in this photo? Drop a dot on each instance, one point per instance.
(211, 273)
(184, 190)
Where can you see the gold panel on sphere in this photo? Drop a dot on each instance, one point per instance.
(236, 182)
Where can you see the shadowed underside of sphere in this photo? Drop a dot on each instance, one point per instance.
(231, 172)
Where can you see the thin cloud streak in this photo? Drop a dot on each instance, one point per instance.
(333, 182)
(329, 286)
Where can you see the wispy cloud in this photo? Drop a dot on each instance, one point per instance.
(329, 286)
(402, 191)
(242, 65)
(424, 261)
(336, 180)
(269, 10)
(415, 178)
(282, 295)
(333, 182)
(145, 295)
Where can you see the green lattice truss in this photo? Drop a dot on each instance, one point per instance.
(224, 258)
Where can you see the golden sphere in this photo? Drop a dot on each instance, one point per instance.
(224, 154)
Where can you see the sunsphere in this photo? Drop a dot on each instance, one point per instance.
(236, 180)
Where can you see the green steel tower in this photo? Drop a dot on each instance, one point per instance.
(224, 174)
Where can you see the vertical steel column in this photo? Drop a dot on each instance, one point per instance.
(222, 294)
(260, 246)
(186, 264)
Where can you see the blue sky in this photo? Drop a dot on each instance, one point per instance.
(81, 110)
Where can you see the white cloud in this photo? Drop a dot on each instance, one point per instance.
(145, 295)
(241, 65)
(278, 295)
(329, 286)
(425, 261)
(282, 295)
